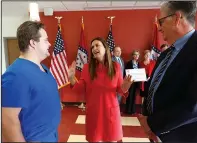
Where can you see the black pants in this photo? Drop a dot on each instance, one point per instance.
(130, 101)
(145, 95)
(183, 134)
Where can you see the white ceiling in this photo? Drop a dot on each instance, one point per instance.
(12, 8)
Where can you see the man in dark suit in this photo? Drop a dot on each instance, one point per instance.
(172, 96)
(117, 58)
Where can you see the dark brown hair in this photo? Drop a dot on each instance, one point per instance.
(108, 61)
(27, 31)
(163, 45)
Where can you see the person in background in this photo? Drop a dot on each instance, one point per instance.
(148, 64)
(130, 101)
(100, 80)
(117, 58)
(172, 96)
(31, 109)
(164, 47)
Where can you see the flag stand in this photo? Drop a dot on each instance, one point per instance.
(82, 106)
(59, 18)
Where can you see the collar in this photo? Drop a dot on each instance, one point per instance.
(181, 41)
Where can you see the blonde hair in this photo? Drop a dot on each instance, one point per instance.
(134, 52)
(147, 51)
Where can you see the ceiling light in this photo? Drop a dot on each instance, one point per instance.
(34, 12)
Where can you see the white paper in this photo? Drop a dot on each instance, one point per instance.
(137, 74)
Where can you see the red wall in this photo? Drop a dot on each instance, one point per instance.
(132, 29)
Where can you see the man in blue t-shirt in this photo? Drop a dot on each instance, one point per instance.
(31, 109)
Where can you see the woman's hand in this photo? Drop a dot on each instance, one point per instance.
(71, 73)
(127, 83)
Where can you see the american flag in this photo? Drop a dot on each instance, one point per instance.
(82, 54)
(59, 67)
(110, 39)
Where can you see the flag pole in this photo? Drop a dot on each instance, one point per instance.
(82, 22)
(81, 106)
(58, 21)
(110, 27)
(59, 18)
(156, 18)
(156, 22)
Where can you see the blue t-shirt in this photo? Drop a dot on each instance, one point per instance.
(25, 86)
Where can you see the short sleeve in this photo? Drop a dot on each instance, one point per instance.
(15, 90)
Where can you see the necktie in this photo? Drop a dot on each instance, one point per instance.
(157, 79)
(120, 61)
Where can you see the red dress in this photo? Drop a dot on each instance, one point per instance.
(103, 119)
(149, 68)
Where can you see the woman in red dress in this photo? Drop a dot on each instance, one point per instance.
(148, 64)
(100, 80)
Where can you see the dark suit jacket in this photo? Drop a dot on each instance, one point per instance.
(175, 101)
(115, 60)
(129, 65)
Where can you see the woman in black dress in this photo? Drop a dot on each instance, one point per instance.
(130, 101)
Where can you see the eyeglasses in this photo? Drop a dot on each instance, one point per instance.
(161, 20)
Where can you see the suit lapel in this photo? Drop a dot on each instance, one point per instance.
(114, 58)
(122, 63)
(188, 50)
(160, 58)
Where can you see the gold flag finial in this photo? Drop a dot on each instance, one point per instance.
(58, 18)
(111, 18)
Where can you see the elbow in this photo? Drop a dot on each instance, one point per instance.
(9, 123)
(193, 108)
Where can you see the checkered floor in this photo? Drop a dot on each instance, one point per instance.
(72, 127)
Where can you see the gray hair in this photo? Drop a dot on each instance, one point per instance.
(188, 8)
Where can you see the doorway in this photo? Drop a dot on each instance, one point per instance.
(13, 51)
